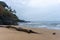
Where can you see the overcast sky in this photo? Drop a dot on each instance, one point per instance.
(36, 10)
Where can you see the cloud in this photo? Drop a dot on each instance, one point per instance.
(42, 3)
(36, 9)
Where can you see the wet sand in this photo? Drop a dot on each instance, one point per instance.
(12, 34)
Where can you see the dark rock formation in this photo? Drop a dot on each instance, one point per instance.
(54, 33)
(7, 21)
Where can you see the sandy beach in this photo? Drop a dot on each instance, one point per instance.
(12, 34)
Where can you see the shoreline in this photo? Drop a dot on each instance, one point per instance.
(52, 28)
(17, 26)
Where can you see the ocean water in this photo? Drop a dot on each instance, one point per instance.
(42, 24)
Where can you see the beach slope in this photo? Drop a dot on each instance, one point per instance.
(46, 34)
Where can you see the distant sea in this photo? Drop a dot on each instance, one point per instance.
(42, 24)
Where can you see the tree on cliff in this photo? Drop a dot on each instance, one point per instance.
(6, 15)
(3, 4)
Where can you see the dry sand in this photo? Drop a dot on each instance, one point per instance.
(46, 34)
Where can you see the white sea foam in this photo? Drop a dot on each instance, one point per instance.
(49, 25)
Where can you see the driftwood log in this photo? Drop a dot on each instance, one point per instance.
(23, 30)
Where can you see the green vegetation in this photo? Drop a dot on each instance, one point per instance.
(3, 4)
(7, 16)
